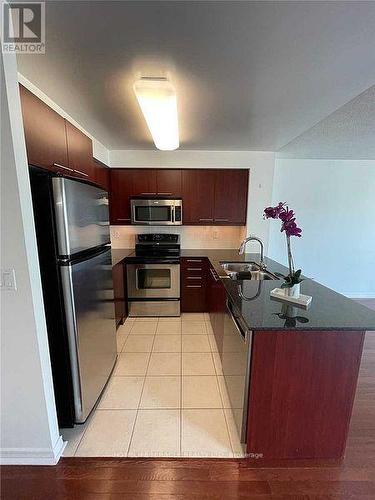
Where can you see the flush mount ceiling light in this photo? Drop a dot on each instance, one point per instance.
(158, 102)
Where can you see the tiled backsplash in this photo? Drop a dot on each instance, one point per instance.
(191, 236)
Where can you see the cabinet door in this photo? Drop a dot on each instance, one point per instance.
(118, 275)
(44, 133)
(144, 182)
(231, 188)
(198, 196)
(101, 174)
(121, 189)
(79, 153)
(168, 182)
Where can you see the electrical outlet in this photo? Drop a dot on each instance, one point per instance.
(116, 235)
(8, 279)
(215, 234)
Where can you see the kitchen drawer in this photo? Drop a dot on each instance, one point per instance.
(193, 280)
(194, 271)
(187, 262)
(193, 267)
(193, 298)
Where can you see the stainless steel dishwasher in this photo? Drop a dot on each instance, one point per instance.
(236, 366)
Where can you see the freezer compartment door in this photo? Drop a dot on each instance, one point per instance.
(90, 314)
(82, 217)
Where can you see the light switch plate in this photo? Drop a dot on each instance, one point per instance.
(8, 279)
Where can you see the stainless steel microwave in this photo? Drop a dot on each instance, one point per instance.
(156, 212)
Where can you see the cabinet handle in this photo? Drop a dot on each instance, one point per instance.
(193, 286)
(194, 269)
(62, 166)
(148, 193)
(194, 277)
(119, 218)
(81, 173)
(222, 220)
(193, 260)
(214, 275)
(207, 220)
(166, 194)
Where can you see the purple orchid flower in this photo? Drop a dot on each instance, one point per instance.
(282, 212)
(289, 227)
(273, 212)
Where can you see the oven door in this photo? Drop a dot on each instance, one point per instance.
(148, 281)
(152, 212)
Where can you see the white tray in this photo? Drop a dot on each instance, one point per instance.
(302, 301)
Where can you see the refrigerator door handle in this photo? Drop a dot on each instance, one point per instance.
(71, 324)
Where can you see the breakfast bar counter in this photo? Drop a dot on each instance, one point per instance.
(291, 373)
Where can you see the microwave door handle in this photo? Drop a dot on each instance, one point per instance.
(173, 214)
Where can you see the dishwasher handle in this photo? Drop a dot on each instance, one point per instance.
(241, 332)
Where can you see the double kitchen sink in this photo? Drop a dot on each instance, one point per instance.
(247, 271)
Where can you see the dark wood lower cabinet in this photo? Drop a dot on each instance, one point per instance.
(302, 388)
(119, 289)
(193, 284)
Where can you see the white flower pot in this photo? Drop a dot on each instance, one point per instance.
(293, 291)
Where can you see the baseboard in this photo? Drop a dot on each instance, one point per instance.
(32, 456)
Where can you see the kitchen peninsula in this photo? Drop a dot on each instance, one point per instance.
(293, 386)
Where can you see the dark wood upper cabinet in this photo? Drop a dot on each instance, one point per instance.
(45, 133)
(79, 153)
(144, 182)
(54, 143)
(210, 196)
(102, 174)
(198, 191)
(231, 188)
(169, 182)
(121, 190)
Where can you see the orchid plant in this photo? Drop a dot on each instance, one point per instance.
(290, 228)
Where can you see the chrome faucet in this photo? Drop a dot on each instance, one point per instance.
(241, 250)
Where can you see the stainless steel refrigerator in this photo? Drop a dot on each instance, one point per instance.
(72, 224)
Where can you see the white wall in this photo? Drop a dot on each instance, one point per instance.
(29, 430)
(260, 163)
(100, 152)
(334, 201)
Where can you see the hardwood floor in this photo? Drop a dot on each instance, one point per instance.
(104, 479)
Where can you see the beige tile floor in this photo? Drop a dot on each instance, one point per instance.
(166, 397)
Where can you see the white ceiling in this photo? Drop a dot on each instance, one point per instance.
(249, 75)
(348, 133)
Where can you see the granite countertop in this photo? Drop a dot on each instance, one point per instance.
(329, 310)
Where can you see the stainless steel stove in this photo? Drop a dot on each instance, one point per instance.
(153, 276)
